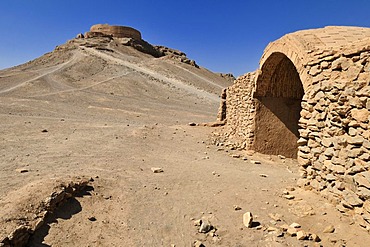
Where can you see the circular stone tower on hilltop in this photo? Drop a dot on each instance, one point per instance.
(116, 31)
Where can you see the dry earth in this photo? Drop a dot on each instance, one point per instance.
(112, 115)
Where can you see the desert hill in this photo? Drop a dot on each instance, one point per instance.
(88, 70)
(96, 150)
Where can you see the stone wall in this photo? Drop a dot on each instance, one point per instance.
(237, 108)
(332, 136)
(116, 31)
(334, 131)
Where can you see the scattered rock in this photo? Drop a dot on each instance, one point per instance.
(271, 229)
(197, 222)
(289, 197)
(237, 208)
(192, 124)
(264, 175)
(92, 218)
(284, 227)
(282, 157)
(295, 225)
(248, 219)
(257, 162)
(156, 170)
(198, 243)
(22, 170)
(44, 131)
(235, 156)
(314, 237)
(329, 229)
(301, 235)
(205, 227)
(214, 173)
(291, 231)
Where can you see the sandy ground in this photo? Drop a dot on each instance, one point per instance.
(112, 117)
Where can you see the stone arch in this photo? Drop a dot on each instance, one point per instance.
(278, 94)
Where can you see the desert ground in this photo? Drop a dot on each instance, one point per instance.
(107, 114)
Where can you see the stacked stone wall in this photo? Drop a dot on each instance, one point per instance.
(334, 135)
(238, 111)
(334, 131)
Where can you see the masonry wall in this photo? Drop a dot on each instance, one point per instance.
(116, 31)
(333, 146)
(239, 110)
(334, 131)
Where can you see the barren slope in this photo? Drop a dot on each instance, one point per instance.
(106, 111)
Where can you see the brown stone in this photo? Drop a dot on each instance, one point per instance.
(361, 115)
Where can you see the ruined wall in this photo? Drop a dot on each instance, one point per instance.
(334, 131)
(116, 31)
(238, 110)
(333, 139)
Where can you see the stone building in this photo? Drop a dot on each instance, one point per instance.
(309, 100)
(114, 31)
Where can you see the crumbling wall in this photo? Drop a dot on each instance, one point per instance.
(237, 109)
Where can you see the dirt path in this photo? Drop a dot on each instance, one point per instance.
(44, 73)
(161, 77)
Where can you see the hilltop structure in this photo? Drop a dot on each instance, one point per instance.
(309, 100)
(129, 36)
(114, 31)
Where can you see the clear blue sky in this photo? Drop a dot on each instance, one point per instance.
(222, 35)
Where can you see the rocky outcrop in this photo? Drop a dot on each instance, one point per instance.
(34, 217)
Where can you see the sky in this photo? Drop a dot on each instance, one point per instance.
(226, 36)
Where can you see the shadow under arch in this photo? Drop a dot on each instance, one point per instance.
(278, 95)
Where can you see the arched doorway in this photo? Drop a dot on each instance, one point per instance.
(278, 96)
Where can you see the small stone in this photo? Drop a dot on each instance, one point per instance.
(248, 219)
(291, 231)
(289, 197)
(264, 175)
(192, 124)
(314, 237)
(156, 170)
(257, 162)
(236, 156)
(329, 229)
(282, 157)
(284, 227)
(92, 218)
(205, 227)
(295, 225)
(271, 229)
(237, 208)
(197, 243)
(22, 170)
(301, 235)
(44, 131)
(197, 222)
